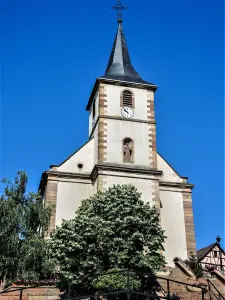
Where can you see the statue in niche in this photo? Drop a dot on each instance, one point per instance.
(127, 150)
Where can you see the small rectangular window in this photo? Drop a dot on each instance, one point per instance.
(215, 253)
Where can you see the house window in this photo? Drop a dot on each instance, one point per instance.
(128, 150)
(215, 253)
(127, 98)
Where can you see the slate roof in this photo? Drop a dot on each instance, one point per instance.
(203, 251)
(119, 65)
(119, 69)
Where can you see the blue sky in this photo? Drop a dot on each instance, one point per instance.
(54, 50)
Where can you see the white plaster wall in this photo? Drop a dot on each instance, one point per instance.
(210, 259)
(172, 220)
(95, 135)
(169, 174)
(140, 101)
(91, 120)
(117, 130)
(143, 186)
(69, 197)
(85, 156)
(95, 187)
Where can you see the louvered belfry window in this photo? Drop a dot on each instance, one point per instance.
(127, 98)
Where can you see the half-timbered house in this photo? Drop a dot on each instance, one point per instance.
(212, 257)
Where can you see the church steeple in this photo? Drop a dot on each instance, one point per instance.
(119, 65)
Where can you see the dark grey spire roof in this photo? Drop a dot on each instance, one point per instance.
(119, 65)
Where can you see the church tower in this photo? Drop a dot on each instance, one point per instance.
(121, 149)
(122, 124)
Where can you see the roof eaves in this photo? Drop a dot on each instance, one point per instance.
(42, 183)
(150, 86)
(92, 94)
(201, 253)
(131, 82)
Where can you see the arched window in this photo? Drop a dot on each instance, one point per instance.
(128, 150)
(127, 98)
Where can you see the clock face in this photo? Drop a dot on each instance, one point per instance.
(127, 112)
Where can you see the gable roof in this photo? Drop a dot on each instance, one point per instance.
(204, 251)
(201, 253)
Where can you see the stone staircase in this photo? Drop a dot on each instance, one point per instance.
(219, 286)
(180, 274)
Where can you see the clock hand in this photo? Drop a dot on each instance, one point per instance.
(126, 111)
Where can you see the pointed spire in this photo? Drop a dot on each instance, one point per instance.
(119, 65)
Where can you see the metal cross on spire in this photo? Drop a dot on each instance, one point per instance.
(119, 7)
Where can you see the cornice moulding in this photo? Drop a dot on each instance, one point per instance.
(59, 174)
(123, 168)
(176, 184)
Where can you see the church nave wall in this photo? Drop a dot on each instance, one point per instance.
(172, 220)
(144, 186)
(84, 156)
(69, 197)
(169, 174)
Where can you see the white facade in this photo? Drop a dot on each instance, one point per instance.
(172, 220)
(69, 197)
(84, 156)
(121, 149)
(117, 130)
(75, 180)
(212, 257)
(92, 120)
(169, 174)
(140, 98)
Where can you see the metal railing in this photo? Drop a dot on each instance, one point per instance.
(214, 293)
(154, 289)
(12, 289)
(166, 293)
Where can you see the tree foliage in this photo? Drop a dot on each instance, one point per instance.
(194, 265)
(115, 279)
(112, 229)
(23, 221)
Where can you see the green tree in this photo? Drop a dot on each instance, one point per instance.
(23, 221)
(112, 229)
(115, 279)
(194, 265)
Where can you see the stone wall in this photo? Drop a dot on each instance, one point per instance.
(187, 293)
(52, 293)
(39, 293)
